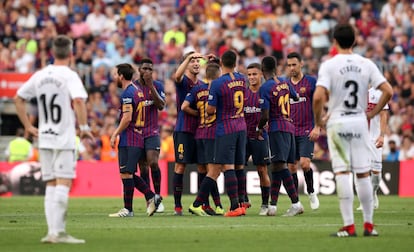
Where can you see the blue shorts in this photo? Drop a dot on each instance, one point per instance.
(230, 149)
(185, 148)
(259, 150)
(282, 146)
(128, 159)
(152, 143)
(205, 151)
(304, 147)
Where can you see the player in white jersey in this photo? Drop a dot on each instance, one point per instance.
(57, 89)
(377, 127)
(343, 80)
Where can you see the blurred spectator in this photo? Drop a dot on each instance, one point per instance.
(19, 149)
(58, 7)
(24, 61)
(393, 153)
(26, 19)
(167, 144)
(406, 149)
(8, 35)
(96, 20)
(319, 30)
(79, 28)
(62, 24)
(151, 20)
(107, 153)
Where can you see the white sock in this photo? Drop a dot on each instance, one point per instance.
(60, 206)
(364, 191)
(346, 198)
(48, 204)
(375, 179)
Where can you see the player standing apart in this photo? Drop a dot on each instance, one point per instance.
(186, 125)
(226, 100)
(154, 96)
(305, 131)
(131, 141)
(257, 147)
(57, 89)
(343, 81)
(274, 102)
(377, 127)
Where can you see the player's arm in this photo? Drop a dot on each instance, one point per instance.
(187, 109)
(79, 106)
(179, 74)
(159, 102)
(212, 99)
(320, 97)
(383, 116)
(386, 89)
(123, 123)
(20, 104)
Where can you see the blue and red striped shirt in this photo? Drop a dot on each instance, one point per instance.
(252, 112)
(301, 111)
(151, 127)
(275, 98)
(227, 95)
(132, 99)
(198, 97)
(185, 122)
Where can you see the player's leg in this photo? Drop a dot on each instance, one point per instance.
(339, 149)
(306, 153)
(152, 148)
(239, 161)
(376, 174)
(64, 169)
(46, 163)
(260, 153)
(185, 153)
(213, 172)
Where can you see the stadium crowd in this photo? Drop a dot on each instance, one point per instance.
(109, 32)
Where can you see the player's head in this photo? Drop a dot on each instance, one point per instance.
(213, 71)
(269, 65)
(62, 47)
(229, 59)
(344, 35)
(294, 64)
(254, 74)
(123, 72)
(146, 66)
(194, 63)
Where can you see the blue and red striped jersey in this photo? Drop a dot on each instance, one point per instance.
(132, 99)
(151, 127)
(252, 112)
(198, 97)
(227, 95)
(275, 98)
(185, 122)
(301, 111)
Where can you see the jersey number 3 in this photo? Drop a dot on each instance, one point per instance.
(352, 100)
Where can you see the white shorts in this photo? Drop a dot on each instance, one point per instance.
(57, 164)
(376, 161)
(349, 144)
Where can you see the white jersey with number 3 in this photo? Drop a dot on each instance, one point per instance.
(55, 87)
(346, 77)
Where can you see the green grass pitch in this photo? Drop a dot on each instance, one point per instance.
(22, 224)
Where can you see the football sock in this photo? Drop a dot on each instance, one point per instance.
(200, 177)
(215, 194)
(230, 182)
(49, 199)
(128, 184)
(364, 191)
(289, 185)
(178, 188)
(375, 179)
(346, 197)
(143, 187)
(241, 184)
(275, 187)
(204, 191)
(144, 174)
(309, 180)
(60, 206)
(156, 179)
(295, 180)
(265, 194)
